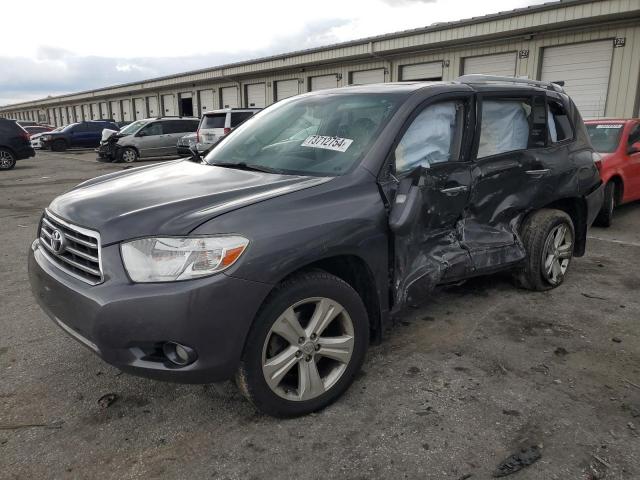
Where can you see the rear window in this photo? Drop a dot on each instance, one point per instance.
(605, 137)
(180, 126)
(214, 120)
(239, 117)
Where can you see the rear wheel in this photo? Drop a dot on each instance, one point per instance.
(7, 159)
(305, 347)
(605, 216)
(128, 155)
(548, 237)
(59, 146)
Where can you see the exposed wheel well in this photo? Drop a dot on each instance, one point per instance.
(3, 147)
(356, 273)
(577, 210)
(617, 180)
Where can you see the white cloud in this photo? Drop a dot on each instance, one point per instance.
(78, 48)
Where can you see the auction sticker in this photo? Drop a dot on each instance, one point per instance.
(609, 125)
(328, 143)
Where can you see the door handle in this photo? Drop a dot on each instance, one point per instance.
(451, 191)
(538, 173)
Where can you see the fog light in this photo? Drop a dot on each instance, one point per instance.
(179, 354)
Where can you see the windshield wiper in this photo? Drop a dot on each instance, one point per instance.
(247, 166)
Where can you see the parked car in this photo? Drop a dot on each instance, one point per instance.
(618, 142)
(36, 129)
(277, 258)
(14, 144)
(27, 123)
(217, 124)
(81, 134)
(35, 138)
(153, 137)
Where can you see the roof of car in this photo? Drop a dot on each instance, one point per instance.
(227, 110)
(611, 120)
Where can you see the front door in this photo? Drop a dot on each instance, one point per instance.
(432, 154)
(151, 140)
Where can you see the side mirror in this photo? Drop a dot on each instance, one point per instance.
(634, 148)
(195, 154)
(406, 206)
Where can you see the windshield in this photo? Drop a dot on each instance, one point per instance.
(605, 137)
(69, 127)
(133, 127)
(322, 134)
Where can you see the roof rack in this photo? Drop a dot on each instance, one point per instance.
(477, 78)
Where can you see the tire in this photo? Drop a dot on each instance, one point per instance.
(605, 216)
(539, 234)
(127, 155)
(7, 159)
(59, 146)
(295, 393)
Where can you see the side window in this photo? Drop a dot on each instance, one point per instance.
(559, 124)
(238, 117)
(504, 127)
(634, 135)
(153, 129)
(434, 136)
(80, 128)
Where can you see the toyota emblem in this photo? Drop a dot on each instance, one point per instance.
(57, 241)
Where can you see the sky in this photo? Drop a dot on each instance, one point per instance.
(81, 45)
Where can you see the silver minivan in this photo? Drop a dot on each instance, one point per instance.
(217, 124)
(152, 137)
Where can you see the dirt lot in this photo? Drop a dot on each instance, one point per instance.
(457, 386)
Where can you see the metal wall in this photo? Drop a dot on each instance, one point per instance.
(525, 31)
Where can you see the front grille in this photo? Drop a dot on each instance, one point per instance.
(73, 249)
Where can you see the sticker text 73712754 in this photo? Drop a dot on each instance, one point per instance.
(328, 143)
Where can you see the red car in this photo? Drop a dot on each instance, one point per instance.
(618, 142)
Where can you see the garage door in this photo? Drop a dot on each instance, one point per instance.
(324, 81)
(168, 105)
(95, 112)
(65, 116)
(126, 110)
(286, 88)
(115, 111)
(205, 100)
(421, 71)
(367, 76)
(104, 110)
(229, 97)
(139, 108)
(502, 64)
(256, 95)
(152, 103)
(78, 113)
(86, 115)
(585, 69)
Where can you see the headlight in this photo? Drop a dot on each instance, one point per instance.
(46, 138)
(169, 259)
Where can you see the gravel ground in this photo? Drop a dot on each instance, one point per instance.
(478, 373)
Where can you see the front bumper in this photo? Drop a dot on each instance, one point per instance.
(126, 323)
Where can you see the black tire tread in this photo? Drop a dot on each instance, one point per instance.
(242, 375)
(605, 216)
(533, 234)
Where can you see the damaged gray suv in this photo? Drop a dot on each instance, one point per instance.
(280, 256)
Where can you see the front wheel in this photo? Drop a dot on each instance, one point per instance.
(128, 155)
(59, 146)
(305, 347)
(7, 159)
(548, 237)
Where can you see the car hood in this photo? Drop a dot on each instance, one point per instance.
(168, 199)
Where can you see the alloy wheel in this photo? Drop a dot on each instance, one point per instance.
(308, 349)
(6, 159)
(129, 156)
(558, 249)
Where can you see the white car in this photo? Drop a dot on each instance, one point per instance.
(217, 124)
(35, 138)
